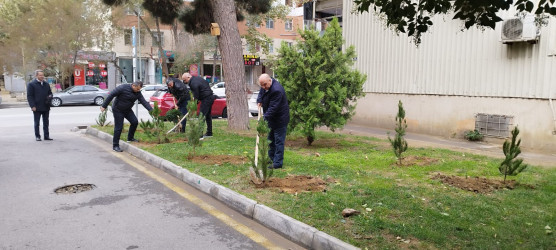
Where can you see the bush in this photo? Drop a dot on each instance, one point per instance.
(473, 135)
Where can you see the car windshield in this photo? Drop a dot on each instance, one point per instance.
(160, 92)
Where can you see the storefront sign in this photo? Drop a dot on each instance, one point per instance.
(91, 65)
(79, 75)
(90, 73)
(102, 65)
(103, 73)
(251, 60)
(193, 70)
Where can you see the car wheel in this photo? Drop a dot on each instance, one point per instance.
(254, 114)
(56, 102)
(225, 113)
(99, 100)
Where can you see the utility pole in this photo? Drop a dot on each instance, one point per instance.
(134, 44)
(139, 40)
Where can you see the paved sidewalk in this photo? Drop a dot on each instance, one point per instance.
(546, 159)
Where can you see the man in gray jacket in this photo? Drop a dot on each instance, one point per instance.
(126, 95)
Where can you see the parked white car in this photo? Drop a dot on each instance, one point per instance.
(148, 90)
(219, 89)
(253, 109)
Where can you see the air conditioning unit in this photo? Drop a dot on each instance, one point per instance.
(520, 30)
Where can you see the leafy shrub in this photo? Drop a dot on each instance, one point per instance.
(173, 115)
(473, 135)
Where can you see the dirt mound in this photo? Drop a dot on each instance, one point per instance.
(475, 184)
(297, 183)
(219, 159)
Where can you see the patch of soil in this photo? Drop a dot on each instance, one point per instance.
(219, 159)
(319, 143)
(413, 160)
(475, 184)
(297, 183)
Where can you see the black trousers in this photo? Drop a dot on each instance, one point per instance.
(206, 110)
(37, 116)
(119, 125)
(183, 110)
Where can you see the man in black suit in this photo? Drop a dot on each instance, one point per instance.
(202, 92)
(126, 95)
(39, 96)
(178, 89)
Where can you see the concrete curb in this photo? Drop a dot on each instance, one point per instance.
(292, 229)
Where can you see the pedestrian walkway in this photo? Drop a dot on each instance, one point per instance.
(490, 149)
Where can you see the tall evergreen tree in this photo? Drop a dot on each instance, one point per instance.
(320, 83)
(197, 19)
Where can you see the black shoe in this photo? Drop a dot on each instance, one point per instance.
(38, 139)
(132, 140)
(207, 135)
(274, 167)
(117, 149)
(48, 139)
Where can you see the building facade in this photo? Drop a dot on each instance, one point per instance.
(456, 80)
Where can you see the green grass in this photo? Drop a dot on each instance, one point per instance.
(404, 201)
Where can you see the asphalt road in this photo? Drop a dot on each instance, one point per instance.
(134, 206)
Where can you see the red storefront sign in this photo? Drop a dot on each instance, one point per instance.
(90, 73)
(193, 70)
(91, 65)
(79, 75)
(103, 73)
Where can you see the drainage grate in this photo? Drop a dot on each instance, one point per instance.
(74, 188)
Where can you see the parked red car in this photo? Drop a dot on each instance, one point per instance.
(166, 102)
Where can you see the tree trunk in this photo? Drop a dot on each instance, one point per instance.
(229, 42)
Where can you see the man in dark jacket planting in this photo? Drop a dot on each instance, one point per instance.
(180, 92)
(126, 95)
(39, 96)
(202, 92)
(272, 98)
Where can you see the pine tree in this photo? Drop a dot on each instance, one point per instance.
(259, 170)
(399, 144)
(511, 165)
(320, 83)
(196, 124)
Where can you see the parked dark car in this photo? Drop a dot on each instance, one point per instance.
(79, 95)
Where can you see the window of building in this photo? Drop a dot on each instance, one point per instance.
(270, 47)
(270, 23)
(289, 24)
(158, 38)
(128, 36)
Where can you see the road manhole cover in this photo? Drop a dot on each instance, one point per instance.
(74, 188)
